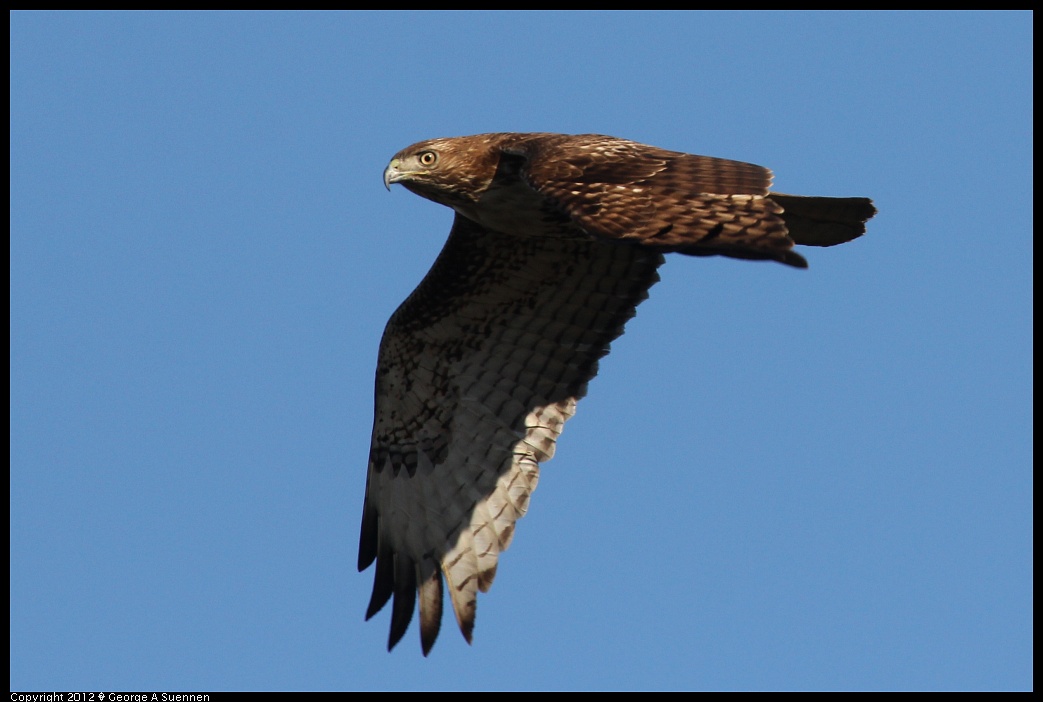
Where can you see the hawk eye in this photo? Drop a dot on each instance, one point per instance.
(427, 158)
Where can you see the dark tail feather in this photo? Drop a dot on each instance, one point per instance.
(824, 221)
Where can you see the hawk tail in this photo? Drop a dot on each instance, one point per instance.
(824, 221)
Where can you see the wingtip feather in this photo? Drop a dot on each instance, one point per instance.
(430, 597)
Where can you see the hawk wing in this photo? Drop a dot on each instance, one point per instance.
(620, 189)
(478, 370)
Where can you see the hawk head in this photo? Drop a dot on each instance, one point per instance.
(451, 171)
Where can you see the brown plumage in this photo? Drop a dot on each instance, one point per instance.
(556, 240)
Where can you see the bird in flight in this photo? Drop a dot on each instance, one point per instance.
(556, 240)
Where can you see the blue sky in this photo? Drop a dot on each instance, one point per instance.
(780, 479)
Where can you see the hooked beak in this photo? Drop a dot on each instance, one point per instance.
(392, 174)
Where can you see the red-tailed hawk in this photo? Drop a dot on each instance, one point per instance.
(556, 240)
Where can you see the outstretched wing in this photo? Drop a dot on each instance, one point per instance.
(478, 370)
